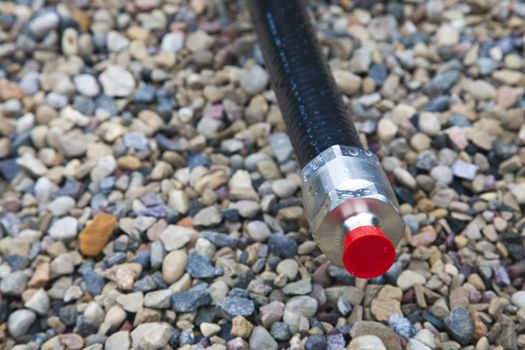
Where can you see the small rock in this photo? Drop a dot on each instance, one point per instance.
(39, 302)
(175, 237)
(174, 265)
(282, 246)
(261, 339)
(94, 237)
(131, 302)
(209, 329)
(297, 307)
(172, 42)
(64, 229)
(271, 313)
(258, 231)
(315, 342)
(207, 217)
(41, 25)
(402, 326)
(284, 188)
(190, 300)
(20, 321)
(280, 331)
(151, 336)
(199, 266)
(382, 309)
(348, 82)
(459, 325)
(86, 85)
(518, 299)
(366, 342)
(241, 327)
(236, 306)
(160, 299)
(390, 340)
(117, 81)
(124, 274)
(254, 80)
(118, 341)
(14, 283)
(407, 279)
(386, 130)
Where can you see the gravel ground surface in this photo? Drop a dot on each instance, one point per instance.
(151, 200)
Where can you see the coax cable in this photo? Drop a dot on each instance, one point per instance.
(348, 201)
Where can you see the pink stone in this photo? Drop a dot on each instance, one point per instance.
(424, 238)
(71, 341)
(508, 96)
(215, 112)
(458, 138)
(237, 344)
(155, 230)
(271, 313)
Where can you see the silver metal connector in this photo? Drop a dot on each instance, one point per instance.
(345, 188)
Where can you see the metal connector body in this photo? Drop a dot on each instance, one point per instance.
(346, 187)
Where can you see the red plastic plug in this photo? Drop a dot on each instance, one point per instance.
(367, 252)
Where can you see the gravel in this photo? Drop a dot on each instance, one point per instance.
(151, 197)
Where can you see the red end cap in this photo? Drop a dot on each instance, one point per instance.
(367, 252)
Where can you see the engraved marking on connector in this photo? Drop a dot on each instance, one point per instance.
(355, 193)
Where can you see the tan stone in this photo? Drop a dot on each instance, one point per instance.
(382, 309)
(96, 234)
(241, 327)
(9, 90)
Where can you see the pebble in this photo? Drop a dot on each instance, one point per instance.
(366, 342)
(19, 322)
(117, 81)
(284, 188)
(64, 229)
(518, 299)
(282, 246)
(118, 341)
(190, 300)
(94, 237)
(280, 331)
(39, 302)
(151, 335)
(297, 308)
(236, 306)
(386, 130)
(41, 25)
(315, 342)
(174, 265)
(207, 217)
(175, 237)
(407, 279)
(258, 231)
(86, 85)
(14, 283)
(459, 325)
(172, 42)
(402, 326)
(199, 266)
(348, 82)
(131, 302)
(261, 339)
(254, 80)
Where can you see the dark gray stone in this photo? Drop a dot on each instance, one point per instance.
(459, 325)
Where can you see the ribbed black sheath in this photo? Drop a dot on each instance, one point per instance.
(310, 102)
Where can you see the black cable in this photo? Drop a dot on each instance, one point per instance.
(309, 100)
